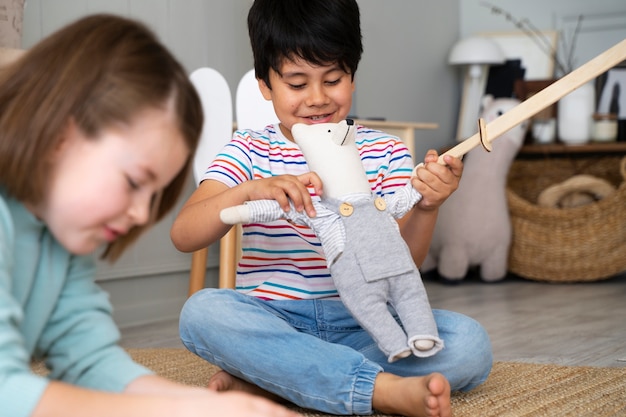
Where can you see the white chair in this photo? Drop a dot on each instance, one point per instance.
(217, 131)
(251, 109)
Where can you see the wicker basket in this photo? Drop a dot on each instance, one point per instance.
(586, 243)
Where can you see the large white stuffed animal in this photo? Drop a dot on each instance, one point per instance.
(473, 226)
(369, 261)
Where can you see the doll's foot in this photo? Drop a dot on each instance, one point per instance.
(223, 381)
(427, 396)
(399, 355)
(424, 345)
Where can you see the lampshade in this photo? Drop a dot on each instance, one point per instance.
(477, 54)
(476, 50)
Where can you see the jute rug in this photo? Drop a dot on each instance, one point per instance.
(512, 389)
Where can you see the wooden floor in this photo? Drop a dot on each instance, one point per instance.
(569, 324)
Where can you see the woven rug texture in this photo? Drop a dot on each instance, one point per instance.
(512, 390)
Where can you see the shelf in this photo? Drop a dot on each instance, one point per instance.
(404, 130)
(559, 148)
(391, 124)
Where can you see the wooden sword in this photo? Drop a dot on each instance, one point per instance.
(539, 101)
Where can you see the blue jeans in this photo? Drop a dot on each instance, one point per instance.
(314, 354)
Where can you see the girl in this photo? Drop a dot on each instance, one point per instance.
(97, 126)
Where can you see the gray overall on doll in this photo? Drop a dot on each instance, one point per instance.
(369, 262)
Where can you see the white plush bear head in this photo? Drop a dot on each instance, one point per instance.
(330, 151)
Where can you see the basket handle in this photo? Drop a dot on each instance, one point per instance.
(539, 101)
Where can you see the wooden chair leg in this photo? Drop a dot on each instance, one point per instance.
(228, 263)
(198, 270)
(228, 258)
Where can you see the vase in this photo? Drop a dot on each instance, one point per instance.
(574, 117)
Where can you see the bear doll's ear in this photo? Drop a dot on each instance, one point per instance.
(345, 133)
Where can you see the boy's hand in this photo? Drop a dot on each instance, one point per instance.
(437, 182)
(285, 188)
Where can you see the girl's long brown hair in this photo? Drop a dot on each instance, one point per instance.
(99, 70)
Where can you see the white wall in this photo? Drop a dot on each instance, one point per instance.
(404, 73)
(199, 32)
(603, 24)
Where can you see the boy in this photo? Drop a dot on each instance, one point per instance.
(284, 331)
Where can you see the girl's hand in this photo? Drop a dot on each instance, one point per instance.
(182, 400)
(151, 395)
(437, 182)
(232, 404)
(286, 188)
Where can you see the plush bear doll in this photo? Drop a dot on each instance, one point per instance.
(473, 226)
(351, 223)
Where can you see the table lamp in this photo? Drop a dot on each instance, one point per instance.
(475, 53)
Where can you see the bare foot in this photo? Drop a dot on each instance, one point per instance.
(427, 396)
(223, 381)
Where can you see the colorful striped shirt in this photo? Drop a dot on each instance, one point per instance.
(281, 260)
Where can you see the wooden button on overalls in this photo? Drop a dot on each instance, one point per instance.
(380, 203)
(346, 209)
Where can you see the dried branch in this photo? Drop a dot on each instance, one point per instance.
(572, 47)
(528, 28)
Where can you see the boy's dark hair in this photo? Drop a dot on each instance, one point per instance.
(318, 31)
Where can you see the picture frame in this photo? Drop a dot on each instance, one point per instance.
(523, 90)
(611, 91)
(538, 62)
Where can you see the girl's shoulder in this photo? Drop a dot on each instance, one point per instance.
(6, 218)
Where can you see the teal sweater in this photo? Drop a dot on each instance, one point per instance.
(51, 308)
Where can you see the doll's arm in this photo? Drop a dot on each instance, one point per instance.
(400, 202)
(327, 225)
(263, 211)
(330, 230)
(252, 211)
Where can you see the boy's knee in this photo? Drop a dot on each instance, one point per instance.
(469, 359)
(477, 356)
(196, 311)
(209, 308)
(191, 306)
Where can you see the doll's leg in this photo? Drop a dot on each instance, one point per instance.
(465, 360)
(408, 297)
(367, 302)
(279, 349)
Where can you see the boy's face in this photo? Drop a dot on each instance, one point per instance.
(306, 93)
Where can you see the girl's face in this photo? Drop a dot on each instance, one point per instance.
(102, 187)
(305, 93)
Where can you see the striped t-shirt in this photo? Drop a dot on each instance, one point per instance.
(281, 260)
